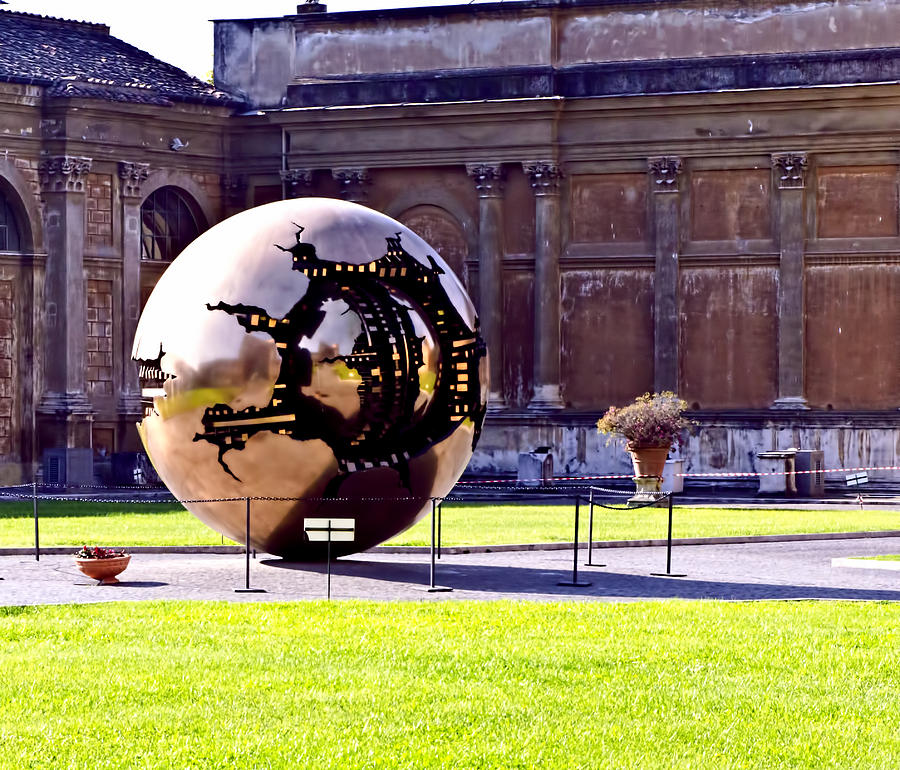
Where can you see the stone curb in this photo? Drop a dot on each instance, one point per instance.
(862, 563)
(465, 549)
(69, 550)
(737, 539)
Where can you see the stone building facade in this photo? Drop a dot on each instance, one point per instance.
(97, 139)
(698, 196)
(695, 196)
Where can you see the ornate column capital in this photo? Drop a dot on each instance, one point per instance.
(665, 171)
(234, 187)
(297, 181)
(353, 182)
(64, 173)
(488, 178)
(790, 169)
(544, 175)
(132, 176)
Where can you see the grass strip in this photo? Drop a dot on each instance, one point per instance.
(75, 523)
(489, 524)
(456, 684)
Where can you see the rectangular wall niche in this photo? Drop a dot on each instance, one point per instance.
(609, 208)
(856, 201)
(98, 353)
(731, 205)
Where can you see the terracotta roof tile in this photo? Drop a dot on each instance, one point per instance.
(80, 59)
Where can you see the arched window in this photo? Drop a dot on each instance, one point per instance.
(167, 224)
(9, 227)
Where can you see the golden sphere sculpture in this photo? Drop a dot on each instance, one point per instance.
(317, 353)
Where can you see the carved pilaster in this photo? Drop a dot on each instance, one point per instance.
(665, 173)
(665, 178)
(64, 173)
(544, 176)
(790, 170)
(353, 182)
(790, 179)
(297, 182)
(545, 179)
(488, 178)
(132, 176)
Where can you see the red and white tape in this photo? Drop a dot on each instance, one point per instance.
(712, 474)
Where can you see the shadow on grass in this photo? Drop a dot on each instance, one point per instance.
(486, 579)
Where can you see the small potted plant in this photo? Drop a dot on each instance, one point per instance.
(650, 425)
(102, 564)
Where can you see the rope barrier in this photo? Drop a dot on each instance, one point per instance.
(697, 474)
(557, 485)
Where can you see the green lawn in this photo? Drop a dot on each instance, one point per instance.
(76, 523)
(450, 685)
(492, 524)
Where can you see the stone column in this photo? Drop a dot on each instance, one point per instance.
(353, 182)
(64, 413)
(489, 184)
(790, 179)
(665, 177)
(131, 176)
(545, 179)
(297, 182)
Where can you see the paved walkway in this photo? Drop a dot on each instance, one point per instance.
(788, 570)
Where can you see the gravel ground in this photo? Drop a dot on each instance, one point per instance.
(747, 571)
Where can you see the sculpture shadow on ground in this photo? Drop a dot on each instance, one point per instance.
(490, 580)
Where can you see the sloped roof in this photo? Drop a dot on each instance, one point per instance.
(80, 59)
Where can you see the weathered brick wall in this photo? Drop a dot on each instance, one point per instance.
(98, 206)
(7, 366)
(98, 348)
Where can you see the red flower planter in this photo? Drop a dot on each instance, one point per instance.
(104, 570)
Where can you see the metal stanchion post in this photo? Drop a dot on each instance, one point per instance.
(432, 588)
(246, 589)
(440, 517)
(590, 561)
(575, 581)
(37, 538)
(328, 564)
(668, 572)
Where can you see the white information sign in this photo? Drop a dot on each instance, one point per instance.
(341, 530)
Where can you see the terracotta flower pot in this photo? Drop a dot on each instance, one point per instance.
(648, 461)
(104, 570)
(649, 464)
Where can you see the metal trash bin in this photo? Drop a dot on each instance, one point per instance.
(536, 468)
(672, 480)
(777, 469)
(812, 482)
